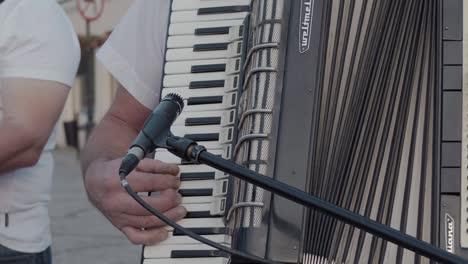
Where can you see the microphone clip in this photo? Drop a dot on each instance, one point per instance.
(184, 148)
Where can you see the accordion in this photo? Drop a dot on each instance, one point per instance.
(358, 102)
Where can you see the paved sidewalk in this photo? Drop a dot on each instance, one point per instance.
(80, 234)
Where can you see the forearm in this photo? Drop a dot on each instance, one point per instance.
(109, 140)
(17, 149)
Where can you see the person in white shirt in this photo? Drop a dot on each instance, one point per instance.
(134, 55)
(39, 57)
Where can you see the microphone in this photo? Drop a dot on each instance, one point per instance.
(154, 133)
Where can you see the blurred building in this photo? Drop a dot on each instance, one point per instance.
(94, 87)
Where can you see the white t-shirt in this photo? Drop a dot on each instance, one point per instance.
(134, 52)
(37, 41)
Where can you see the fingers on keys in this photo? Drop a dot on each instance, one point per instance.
(162, 201)
(145, 237)
(150, 182)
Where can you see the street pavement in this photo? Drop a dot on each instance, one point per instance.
(80, 233)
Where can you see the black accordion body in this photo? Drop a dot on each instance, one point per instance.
(360, 103)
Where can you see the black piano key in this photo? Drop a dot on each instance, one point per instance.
(210, 47)
(222, 10)
(200, 214)
(206, 84)
(211, 31)
(197, 254)
(202, 231)
(197, 176)
(203, 137)
(205, 100)
(196, 192)
(208, 68)
(203, 121)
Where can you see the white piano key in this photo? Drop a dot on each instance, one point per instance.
(188, 53)
(196, 168)
(204, 107)
(180, 67)
(186, 261)
(197, 199)
(229, 117)
(189, 28)
(186, 93)
(183, 240)
(181, 130)
(192, 16)
(201, 184)
(226, 135)
(233, 66)
(227, 150)
(220, 187)
(186, 115)
(198, 207)
(218, 206)
(230, 100)
(188, 41)
(181, 80)
(231, 84)
(200, 222)
(164, 251)
(178, 5)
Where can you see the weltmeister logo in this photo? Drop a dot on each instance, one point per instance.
(305, 27)
(449, 233)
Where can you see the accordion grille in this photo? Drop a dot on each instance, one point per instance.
(375, 123)
(256, 104)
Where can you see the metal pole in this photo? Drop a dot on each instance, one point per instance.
(89, 82)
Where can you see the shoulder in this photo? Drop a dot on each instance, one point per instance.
(40, 14)
(38, 41)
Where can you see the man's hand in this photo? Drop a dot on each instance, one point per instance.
(100, 165)
(140, 226)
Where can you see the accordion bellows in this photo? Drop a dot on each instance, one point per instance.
(371, 116)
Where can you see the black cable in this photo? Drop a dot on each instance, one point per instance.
(187, 232)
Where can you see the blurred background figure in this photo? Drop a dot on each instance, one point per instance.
(39, 56)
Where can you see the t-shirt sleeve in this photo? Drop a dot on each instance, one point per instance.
(134, 52)
(39, 42)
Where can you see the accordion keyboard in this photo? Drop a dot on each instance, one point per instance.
(203, 51)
